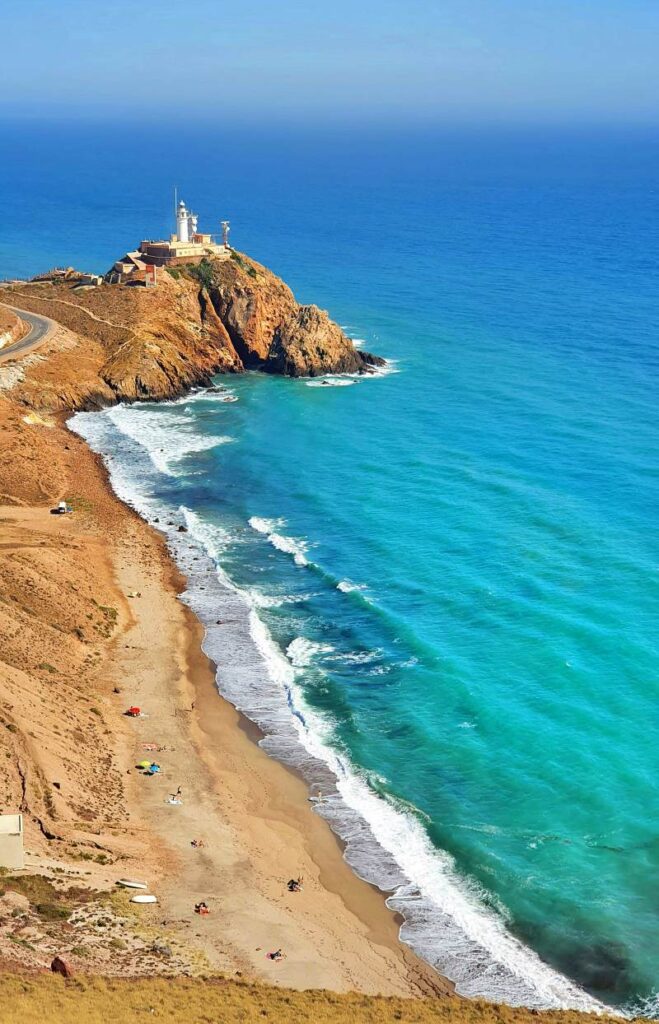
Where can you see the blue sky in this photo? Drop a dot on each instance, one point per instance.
(338, 60)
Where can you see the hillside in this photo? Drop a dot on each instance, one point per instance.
(224, 316)
(231, 1002)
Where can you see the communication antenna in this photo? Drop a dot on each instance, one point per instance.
(226, 228)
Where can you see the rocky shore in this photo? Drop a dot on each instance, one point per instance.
(222, 316)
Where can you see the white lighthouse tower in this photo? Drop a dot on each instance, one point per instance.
(186, 223)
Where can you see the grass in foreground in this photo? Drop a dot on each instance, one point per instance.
(33, 1000)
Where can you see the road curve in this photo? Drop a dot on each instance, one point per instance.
(40, 329)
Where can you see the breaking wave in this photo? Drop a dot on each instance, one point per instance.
(289, 545)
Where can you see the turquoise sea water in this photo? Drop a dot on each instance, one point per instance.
(441, 582)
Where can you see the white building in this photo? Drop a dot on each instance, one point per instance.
(188, 245)
(11, 841)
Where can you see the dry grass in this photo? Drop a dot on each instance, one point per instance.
(33, 1000)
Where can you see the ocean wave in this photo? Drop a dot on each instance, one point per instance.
(294, 546)
(301, 652)
(447, 918)
(357, 657)
(390, 366)
(347, 586)
(262, 600)
(166, 436)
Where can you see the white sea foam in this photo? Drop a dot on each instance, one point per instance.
(390, 366)
(261, 600)
(357, 657)
(224, 394)
(329, 382)
(294, 546)
(301, 651)
(266, 525)
(166, 436)
(347, 586)
(447, 918)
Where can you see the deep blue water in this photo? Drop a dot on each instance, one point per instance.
(455, 563)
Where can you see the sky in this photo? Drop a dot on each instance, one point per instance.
(326, 61)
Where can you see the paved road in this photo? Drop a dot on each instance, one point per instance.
(40, 328)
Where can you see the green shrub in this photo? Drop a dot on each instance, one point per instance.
(203, 273)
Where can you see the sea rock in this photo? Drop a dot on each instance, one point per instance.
(308, 344)
(271, 331)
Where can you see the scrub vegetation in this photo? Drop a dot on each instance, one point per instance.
(200, 1001)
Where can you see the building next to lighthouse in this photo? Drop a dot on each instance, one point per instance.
(187, 245)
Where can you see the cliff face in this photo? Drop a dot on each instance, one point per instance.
(225, 316)
(271, 331)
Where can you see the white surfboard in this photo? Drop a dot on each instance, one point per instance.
(144, 899)
(129, 883)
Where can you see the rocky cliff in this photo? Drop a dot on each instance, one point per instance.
(221, 316)
(271, 331)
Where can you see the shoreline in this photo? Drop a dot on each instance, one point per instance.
(254, 797)
(382, 843)
(259, 816)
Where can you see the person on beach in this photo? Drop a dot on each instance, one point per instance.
(201, 908)
(295, 885)
(197, 843)
(277, 955)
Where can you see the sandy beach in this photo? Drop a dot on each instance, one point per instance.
(139, 645)
(252, 814)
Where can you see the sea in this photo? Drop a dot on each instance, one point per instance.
(434, 589)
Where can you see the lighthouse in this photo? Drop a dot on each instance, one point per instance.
(186, 223)
(187, 246)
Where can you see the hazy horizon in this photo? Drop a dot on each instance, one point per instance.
(381, 62)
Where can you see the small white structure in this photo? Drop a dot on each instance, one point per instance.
(11, 841)
(186, 223)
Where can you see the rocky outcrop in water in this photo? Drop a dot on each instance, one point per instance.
(271, 331)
